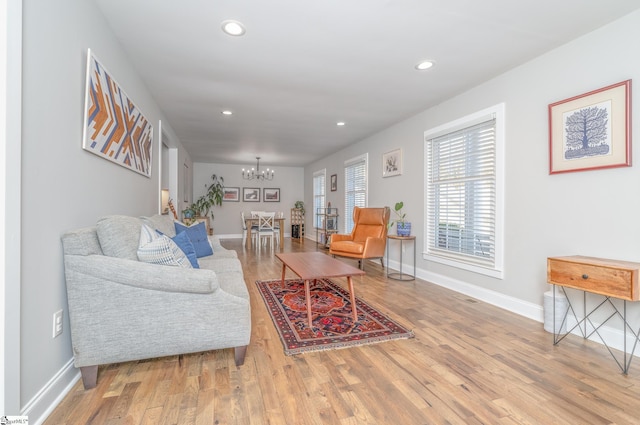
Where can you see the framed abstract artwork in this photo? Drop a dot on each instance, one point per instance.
(114, 127)
(251, 194)
(270, 194)
(392, 163)
(334, 182)
(591, 131)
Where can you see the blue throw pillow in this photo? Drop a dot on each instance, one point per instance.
(198, 236)
(183, 241)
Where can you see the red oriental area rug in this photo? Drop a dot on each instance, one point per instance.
(333, 325)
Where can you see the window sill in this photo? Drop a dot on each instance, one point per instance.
(491, 272)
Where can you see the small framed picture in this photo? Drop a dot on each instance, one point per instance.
(251, 194)
(591, 131)
(334, 182)
(231, 194)
(392, 163)
(271, 194)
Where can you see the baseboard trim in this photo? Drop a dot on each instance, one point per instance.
(50, 396)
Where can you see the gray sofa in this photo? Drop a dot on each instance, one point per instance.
(122, 309)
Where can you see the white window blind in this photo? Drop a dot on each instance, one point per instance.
(462, 202)
(319, 181)
(355, 178)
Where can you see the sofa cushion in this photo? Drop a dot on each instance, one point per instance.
(160, 249)
(164, 223)
(198, 235)
(119, 236)
(184, 243)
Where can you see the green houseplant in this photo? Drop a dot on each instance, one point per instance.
(299, 205)
(403, 227)
(202, 207)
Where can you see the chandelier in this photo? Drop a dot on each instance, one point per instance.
(255, 173)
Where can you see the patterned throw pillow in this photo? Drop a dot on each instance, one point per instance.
(160, 249)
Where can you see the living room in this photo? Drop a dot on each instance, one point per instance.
(589, 213)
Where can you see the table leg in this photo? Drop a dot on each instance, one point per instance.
(307, 294)
(281, 236)
(284, 269)
(352, 295)
(249, 225)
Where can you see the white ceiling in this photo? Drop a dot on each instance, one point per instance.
(304, 65)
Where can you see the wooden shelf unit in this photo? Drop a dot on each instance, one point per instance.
(297, 219)
(326, 225)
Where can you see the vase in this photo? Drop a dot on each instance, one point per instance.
(403, 228)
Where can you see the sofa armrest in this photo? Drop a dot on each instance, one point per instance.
(143, 275)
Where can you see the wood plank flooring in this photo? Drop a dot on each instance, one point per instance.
(470, 363)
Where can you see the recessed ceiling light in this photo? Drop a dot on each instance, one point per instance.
(227, 112)
(340, 123)
(421, 66)
(232, 27)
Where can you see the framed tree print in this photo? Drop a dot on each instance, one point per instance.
(591, 131)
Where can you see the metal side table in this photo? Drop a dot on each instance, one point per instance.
(400, 275)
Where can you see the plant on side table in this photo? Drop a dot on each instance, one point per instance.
(403, 227)
(202, 207)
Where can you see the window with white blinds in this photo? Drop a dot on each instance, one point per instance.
(464, 194)
(319, 184)
(355, 193)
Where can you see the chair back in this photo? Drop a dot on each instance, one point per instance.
(244, 222)
(265, 222)
(370, 222)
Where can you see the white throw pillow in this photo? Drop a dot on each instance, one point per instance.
(160, 249)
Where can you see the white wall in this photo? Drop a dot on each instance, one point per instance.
(589, 213)
(10, 169)
(63, 186)
(227, 221)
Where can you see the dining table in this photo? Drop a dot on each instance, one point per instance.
(253, 221)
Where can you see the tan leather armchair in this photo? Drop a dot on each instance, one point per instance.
(368, 238)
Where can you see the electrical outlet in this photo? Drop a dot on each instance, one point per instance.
(57, 323)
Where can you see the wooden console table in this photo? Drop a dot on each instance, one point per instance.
(609, 278)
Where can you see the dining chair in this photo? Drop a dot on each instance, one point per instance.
(276, 225)
(266, 228)
(254, 230)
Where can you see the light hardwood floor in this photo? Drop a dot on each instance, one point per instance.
(470, 363)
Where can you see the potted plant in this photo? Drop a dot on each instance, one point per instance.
(403, 227)
(299, 205)
(202, 207)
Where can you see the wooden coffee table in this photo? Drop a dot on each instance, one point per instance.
(316, 265)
